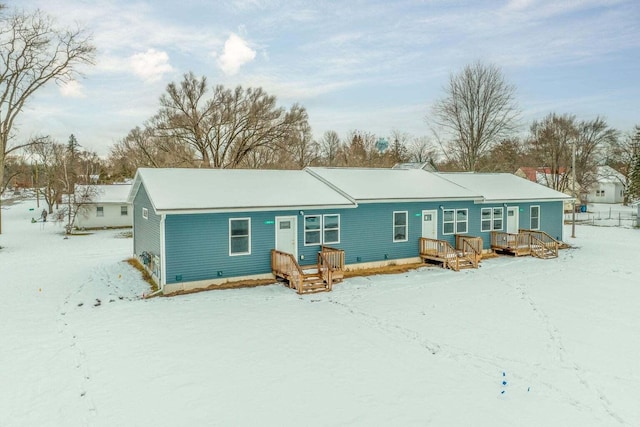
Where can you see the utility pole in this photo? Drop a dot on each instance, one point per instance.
(573, 189)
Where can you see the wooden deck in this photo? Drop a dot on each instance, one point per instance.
(441, 251)
(526, 242)
(309, 279)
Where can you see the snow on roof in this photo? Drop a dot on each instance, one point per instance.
(363, 184)
(116, 193)
(503, 186)
(608, 175)
(224, 189)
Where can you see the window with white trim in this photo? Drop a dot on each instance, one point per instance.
(321, 229)
(535, 218)
(145, 213)
(331, 229)
(312, 230)
(455, 221)
(491, 219)
(99, 210)
(124, 210)
(400, 226)
(239, 236)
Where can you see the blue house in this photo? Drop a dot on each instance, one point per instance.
(194, 228)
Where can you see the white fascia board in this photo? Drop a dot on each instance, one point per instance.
(418, 200)
(486, 202)
(253, 209)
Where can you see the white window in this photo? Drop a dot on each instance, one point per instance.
(455, 221)
(124, 210)
(321, 229)
(145, 213)
(331, 229)
(99, 210)
(535, 218)
(491, 219)
(239, 236)
(400, 227)
(312, 230)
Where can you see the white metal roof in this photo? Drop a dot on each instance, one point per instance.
(608, 175)
(369, 184)
(503, 187)
(235, 189)
(116, 193)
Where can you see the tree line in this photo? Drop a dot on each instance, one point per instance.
(475, 126)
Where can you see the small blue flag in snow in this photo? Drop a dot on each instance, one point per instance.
(504, 383)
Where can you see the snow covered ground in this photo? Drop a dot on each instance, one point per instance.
(520, 341)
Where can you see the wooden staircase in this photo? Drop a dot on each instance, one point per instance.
(542, 245)
(526, 242)
(318, 278)
(455, 259)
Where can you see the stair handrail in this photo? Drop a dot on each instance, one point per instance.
(544, 241)
(325, 270)
(440, 249)
(470, 253)
(286, 263)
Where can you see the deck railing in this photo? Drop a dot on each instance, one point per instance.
(442, 250)
(335, 258)
(518, 243)
(542, 244)
(470, 244)
(325, 269)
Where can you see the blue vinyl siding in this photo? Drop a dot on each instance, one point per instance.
(197, 245)
(146, 232)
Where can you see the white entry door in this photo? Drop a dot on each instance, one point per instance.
(512, 219)
(286, 234)
(430, 224)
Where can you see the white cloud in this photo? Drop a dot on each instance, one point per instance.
(72, 89)
(150, 65)
(236, 53)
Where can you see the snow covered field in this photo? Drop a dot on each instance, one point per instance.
(521, 341)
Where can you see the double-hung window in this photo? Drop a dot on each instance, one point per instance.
(455, 221)
(535, 218)
(321, 229)
(145, 213)
(99, 210)
(239, 236)
(124, 210)
(400, 226)
(331, 229)
(491, 219)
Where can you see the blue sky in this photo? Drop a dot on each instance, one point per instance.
(362, 65)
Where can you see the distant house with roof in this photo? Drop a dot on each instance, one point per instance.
(194, 228)
(608, 188)
(560, 178)
(108, 207)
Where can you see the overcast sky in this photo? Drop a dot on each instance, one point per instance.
(367, 65)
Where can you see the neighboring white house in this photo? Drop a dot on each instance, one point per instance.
(609, 187)
(108, 209)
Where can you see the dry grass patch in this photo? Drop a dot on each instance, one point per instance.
(145, 274)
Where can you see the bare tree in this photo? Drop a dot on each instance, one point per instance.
(50, 159)
(140, 148)
(225, 128)
(478, 110)
(551, 145)
(33, 52)
(422, 150)
(329, 147)
(78, 203)
(593, 137)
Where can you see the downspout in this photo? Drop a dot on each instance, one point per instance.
(163, 264)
